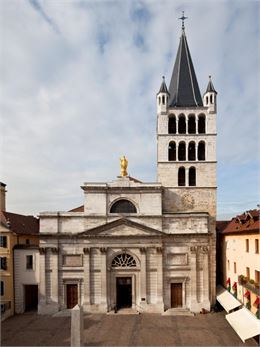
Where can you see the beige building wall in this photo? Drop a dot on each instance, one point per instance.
(239, 256)
(7, 300)
(7, 276)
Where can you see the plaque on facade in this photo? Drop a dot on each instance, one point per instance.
(177, 259)
(72, 260)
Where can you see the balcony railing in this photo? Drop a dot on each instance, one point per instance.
(249, 284)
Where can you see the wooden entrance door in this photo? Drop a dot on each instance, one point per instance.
(176, 294)
(123, 292)
(31, 297)
(72, 295)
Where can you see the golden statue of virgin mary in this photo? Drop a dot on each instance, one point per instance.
(123, 163)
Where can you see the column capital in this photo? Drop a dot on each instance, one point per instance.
(54, 250)
(103, 250)
(42, 250)
(86, 250)
(199, 249)
(204, 249)
(193, 249)
(143, 250)
(159, 250)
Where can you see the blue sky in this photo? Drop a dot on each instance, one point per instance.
(78, 87)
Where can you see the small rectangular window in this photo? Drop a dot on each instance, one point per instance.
(3, 263)
(256, 246)
(228, 265)
(257, 276)
(27, 241)
(2, 288)
(29, 262)
(248, 272)
(247, 245)
(235, 267)
(3, 241)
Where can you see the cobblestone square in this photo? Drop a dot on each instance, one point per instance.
(123, 330)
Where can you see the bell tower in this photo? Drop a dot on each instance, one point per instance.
(186, 138)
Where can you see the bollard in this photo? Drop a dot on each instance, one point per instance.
(76, 337)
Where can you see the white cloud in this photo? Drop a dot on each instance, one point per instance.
(76, 98)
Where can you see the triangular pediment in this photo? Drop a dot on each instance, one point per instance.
(121, 227)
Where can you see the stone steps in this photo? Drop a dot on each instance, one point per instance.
(178, 312)
(124, 311)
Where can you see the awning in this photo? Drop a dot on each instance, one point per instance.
(245, 324)
(227, 300)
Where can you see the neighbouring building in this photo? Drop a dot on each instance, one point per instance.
(149, 246)
(19, 238)
(239, 258)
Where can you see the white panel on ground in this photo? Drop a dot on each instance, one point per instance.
(244, 323)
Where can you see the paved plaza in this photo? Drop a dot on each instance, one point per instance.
(123, 330)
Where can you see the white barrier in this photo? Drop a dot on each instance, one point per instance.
(76, 337)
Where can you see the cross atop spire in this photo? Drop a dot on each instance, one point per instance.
(183, 19)
(184, 89)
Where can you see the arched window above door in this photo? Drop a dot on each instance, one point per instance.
(123, 260)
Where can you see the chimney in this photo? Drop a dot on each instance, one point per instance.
(2, 196)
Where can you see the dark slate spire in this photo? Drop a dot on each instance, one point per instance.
(184, 89)
(210, 87)
(163, 88)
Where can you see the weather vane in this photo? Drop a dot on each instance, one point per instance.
(183, 19)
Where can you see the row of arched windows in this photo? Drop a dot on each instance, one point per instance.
(191, 177)
(189, 154)
(191, 125)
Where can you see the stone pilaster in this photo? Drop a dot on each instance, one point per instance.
(48, 271)
(206, 298)
(86, 265)
(159, 275)
(54, 259)
(193, 277)
(199, 275)
(199, 278)
(103, 253)
(42, 284)
(143, 275)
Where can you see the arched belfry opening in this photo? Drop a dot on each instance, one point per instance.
(172, 124)
(172, 151)
(123, 206)
(201, 150)
(182, 151)
(202, 124)
(181, 177)
(191, 124)
(192, 176)
(182, 124)
(191, 151)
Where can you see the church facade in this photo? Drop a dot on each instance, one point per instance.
(146, 246)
